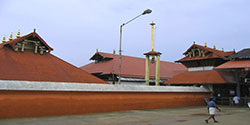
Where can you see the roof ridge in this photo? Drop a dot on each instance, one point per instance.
(134, 57)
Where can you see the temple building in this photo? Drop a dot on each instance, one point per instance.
(201, 61)
(224, 73)
(239, 64)
(28, 58)
(105, 66)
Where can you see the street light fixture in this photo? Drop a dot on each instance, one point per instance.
(148, 11)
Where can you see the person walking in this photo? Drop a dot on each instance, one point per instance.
(236, 100)
(211, 106)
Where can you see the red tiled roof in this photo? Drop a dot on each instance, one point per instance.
(214, 53)
(152, 53)
(28, 66)
(132, 67)
(203, 77)
(235, 64)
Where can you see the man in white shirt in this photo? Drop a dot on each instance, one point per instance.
(236, 100)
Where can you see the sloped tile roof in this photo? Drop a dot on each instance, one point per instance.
(203, 77)
(132, 67)
(28, 66)
(152, 53)
(243, 54)
(235, 64)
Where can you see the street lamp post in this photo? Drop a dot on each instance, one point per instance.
(148, 11)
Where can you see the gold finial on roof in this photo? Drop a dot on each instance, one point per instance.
(205, 44)
(222, 49)
(3, 39)
(18, 34)
(114, 52)
(214, 47)
(193, 42)
(10, 38)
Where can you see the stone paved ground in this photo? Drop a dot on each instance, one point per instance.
(169, 116)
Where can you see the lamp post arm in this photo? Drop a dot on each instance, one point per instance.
(131, 20)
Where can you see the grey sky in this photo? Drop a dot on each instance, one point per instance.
(76, 28)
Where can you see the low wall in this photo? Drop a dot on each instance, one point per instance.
(29, 99)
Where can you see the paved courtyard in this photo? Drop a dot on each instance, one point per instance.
(169, 116)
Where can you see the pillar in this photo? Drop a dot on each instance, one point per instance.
(36, 47)
(147, 70)
(238, 84)
(157, 73)
(22, 49)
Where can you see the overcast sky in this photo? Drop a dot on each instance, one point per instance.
(76, 28)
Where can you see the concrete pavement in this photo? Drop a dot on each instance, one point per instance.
(169, 116)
